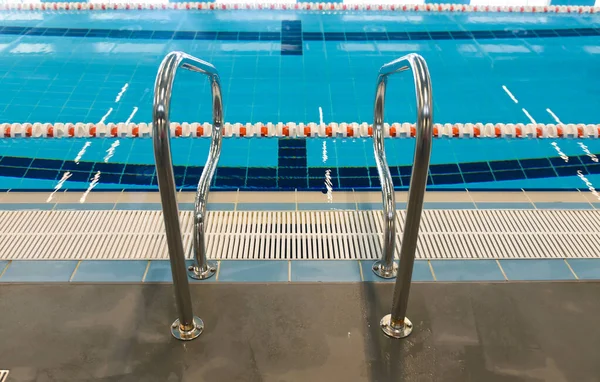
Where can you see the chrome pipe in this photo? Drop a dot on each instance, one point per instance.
(396, 324)
(187, 326)
(202, 268)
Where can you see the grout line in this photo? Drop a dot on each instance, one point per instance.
(571, 269)
(75, 270)
(146, 271)
(289, 271)
(472, 200)
(431, 269)
(237, 196)
(530, 200)
(586, 199)
(355, 198)
(218, 270)
(5, 268)
(501, 269)
(360, 270)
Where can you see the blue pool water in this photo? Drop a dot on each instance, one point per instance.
(285, 66)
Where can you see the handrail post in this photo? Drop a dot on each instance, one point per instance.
(396, 324)
(202, 268)
(187, 326)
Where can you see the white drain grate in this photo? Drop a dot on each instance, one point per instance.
(3, 375)
(452, 234)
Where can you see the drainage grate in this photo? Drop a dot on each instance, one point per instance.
(3, 375)
(452, 234)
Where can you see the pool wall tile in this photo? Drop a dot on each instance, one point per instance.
(585, 269)
(26, 206)
(266, 207)
(378, 206)
(39, 271)
(209, 207)
(85, 206)
(449, 205)
(326, 206)
(537, 270)
(325, 271)
(160, 271)
(421, 272)
(467, 270)
(504, 206)
(563, 206)
(138, 206)
(254, 271)
(110, 271)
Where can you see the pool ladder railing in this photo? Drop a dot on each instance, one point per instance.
(187, 326)
(396, 325)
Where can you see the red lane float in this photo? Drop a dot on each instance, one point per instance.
(316, 7)
(298, 130)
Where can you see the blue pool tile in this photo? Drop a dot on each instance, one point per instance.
(448, 205)
(369, 206)
(563, 206)
(85, 206)
(39, 271)
(504, 206)
(325, 270)
(110, 271)
(466, 270)
(138, 206)
(159, 271)
(185, 206)
(209, 206)
(536, 270)
(505, 165)
(421, 272)
(266, 206)
(475, 177)
(26, 206)
(585, 269)
(254, 271)
(326, 206)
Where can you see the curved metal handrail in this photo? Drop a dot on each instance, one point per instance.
(396, 324)
(187, 326)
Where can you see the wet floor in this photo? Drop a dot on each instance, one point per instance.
(301, 332)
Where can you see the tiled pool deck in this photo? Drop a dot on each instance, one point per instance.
(297, 200)
(275, 271)
(136, 271)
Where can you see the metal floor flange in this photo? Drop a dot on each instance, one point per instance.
(283, 235)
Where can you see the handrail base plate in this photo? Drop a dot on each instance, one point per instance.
(199, 273)
(395, 332)
(187, 335)
(383, 271)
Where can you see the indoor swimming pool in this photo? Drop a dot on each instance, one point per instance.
(285, 66)
(278, 246)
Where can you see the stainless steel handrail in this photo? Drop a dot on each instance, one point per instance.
(396, 324)
(187, 326)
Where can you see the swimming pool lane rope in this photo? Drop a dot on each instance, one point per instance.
(304, 6)
(298, 130)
